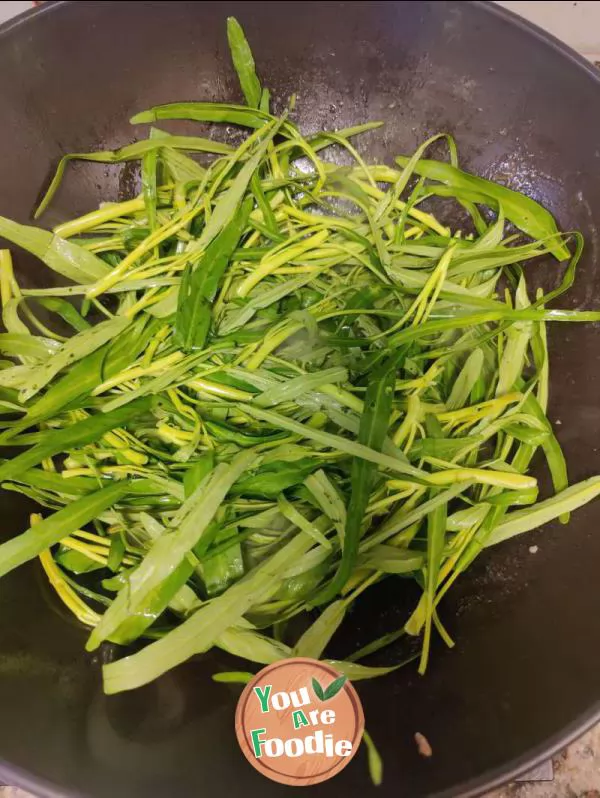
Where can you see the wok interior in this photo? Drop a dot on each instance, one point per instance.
(525, 665)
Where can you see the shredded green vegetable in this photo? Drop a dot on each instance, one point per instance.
(286, 380)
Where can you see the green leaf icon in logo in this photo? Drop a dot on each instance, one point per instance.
(331, 691)
(318, 690)
(335, 687)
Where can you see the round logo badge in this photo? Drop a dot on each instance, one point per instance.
(299, 721)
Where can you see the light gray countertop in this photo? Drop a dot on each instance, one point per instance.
(576, 774)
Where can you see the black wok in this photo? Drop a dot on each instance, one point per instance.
(523, 679)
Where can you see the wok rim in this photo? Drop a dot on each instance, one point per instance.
(14, 776)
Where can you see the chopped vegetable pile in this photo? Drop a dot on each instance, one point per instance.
(284, 380)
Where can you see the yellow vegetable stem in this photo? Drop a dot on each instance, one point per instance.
(483, 476)
(173, 435)
(147, 245)
(135, 372)
(271, 262)
(491, 406)
(271, 342)
(64, 591)
(107, 212)
(6, 276)
(217, 389)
